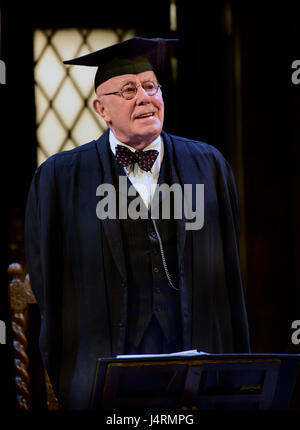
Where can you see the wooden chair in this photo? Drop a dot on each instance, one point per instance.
(32, 385)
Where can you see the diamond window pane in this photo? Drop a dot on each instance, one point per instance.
(86, 128)
(68, 97)
(51, 133)
(106, 38)
(49, 72)
(67, 43)
(42, 104)
(64, 94)
(83, 77)
(40, 42)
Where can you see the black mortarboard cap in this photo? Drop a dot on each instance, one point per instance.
(132, 56)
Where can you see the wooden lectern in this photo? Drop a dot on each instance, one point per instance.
(201, 382)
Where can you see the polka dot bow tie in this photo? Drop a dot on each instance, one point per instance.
(145, 159)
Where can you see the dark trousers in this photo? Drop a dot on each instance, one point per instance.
(154, 341)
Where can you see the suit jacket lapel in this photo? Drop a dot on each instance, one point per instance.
(111, 227)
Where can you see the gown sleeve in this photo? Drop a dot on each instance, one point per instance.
(229, 219)
(43, 257)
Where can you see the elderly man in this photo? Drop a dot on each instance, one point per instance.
(109, 283)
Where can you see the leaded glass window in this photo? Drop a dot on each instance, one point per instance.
(65, 117)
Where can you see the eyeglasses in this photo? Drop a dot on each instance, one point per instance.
(128, 92)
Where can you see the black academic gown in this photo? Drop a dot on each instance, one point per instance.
(83, 302)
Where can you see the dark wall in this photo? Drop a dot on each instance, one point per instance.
(234, 91)
(270, 164)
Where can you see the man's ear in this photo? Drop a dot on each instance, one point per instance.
(101, 109)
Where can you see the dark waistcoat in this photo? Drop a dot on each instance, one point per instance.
(150, 295)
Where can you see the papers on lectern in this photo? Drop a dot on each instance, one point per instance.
(190, 352)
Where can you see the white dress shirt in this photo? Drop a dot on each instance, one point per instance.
(144, 182)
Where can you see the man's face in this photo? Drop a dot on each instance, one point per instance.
(126, 117)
